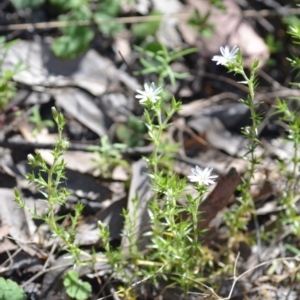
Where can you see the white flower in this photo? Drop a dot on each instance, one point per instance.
(227, 55)
(150, 93)
(202, 177)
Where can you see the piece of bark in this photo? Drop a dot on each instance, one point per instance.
(219, 197)
(138, 212)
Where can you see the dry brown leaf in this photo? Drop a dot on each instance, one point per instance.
(230, 29)
(219, 197)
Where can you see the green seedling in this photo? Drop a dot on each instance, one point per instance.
(107, 10)
(75, 39)
(76, 289)
(158, 62)
(133, 133)
(108, 157)
(201, 23)
(9, 290)
(37, 121)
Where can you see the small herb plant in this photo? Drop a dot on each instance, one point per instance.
(108, 157)
(132, 133)
(175, 240)
(36, 119)
(201, 23)
(49, 182)
(157, 60)
(290, 116)
(238, 218)
(10, 290)
(75, 288)
(75, 39)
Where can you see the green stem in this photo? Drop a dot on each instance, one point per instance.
(50, 197)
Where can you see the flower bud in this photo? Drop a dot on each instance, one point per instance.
(65, 144)
(30, 158)
(54, 112)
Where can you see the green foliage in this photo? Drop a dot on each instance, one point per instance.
(108, 157)
(48, 181)
(21, 4)
(70, 4)
(75, 39)
(175, 241)
(37, 121)
(76, 289)
(159, 62)
(9, 290)
(107, 10)
(292, 20)
(291, 118)
(143, 30)
(237, 219)
(7, 88)
(274, 45)
(218, 4)
(201, 23)
(132, 133)
(290, 215)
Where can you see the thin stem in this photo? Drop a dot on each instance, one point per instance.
(50, 196)
(294, 172)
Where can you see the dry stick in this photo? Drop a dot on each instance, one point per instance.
(10, 257)
(40, 273)
(135, 284)
(49, 256)
(138, 19)
(237, 278)
(135, 151)
(73, 147)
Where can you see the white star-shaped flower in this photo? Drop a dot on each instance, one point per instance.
(202, 177)
(150, 93)
(227, 55)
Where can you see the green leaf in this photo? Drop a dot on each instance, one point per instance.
(106, 25)
(69, 46)
(84, 13)
(76, 289)
(154, 47)
(9, 290)
(21, 4)
(136, 124)
(110, 7)
(292, 249)
(76, 39)
(142, 30)
(69, 4)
